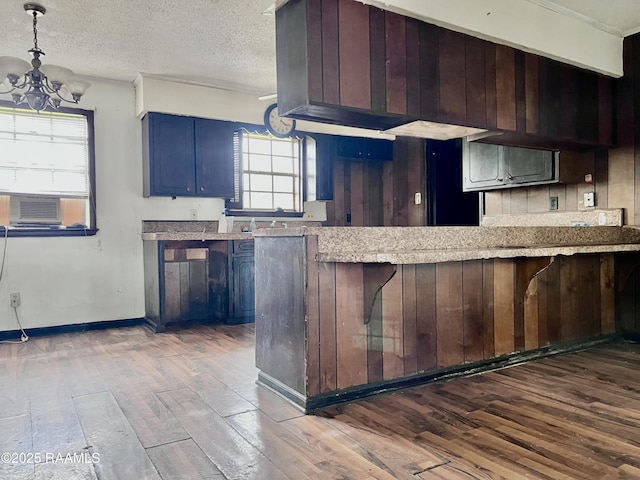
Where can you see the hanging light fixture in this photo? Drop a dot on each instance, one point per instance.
(39, 86)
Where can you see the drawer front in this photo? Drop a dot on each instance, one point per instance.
(243, 247)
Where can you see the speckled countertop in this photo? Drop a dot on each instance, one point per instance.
(202, 230)
(409, 245)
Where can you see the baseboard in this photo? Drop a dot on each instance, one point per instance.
(297, 399)
(312, 404)
(71, 328)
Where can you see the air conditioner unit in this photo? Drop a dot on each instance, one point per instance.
(31, 209)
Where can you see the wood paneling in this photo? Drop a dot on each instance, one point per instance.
(313, 319)
(472, 301)
(426, 334)
(429, 71)
(327, 301)
(453, 100)
(476, 93)
(396, 63)
(377, 39)
(449, 312)
(351, 342)
(409, 320)
(354, 54)
(505, 88)
(503, 323)
(441, 315)
(392, 69)
(392, 330)
(330, 54)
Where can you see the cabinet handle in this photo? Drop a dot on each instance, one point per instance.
(202, 189)
(188, 189)
(510, 177)
(499, 179)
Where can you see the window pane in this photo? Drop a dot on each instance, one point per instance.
(284, 201)
(282, 184)
(260, 200)
(259, 145)
(283, 165)
(261, 183)
(282, 148)
(260, 163)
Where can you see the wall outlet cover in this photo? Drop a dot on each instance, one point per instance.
(553, 203)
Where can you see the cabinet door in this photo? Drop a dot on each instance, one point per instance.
(171, 161)
(243, 296)
(351, 147)
(325, 153)
(378, 149)
(214, 158)
(526, 165)
(482, 166)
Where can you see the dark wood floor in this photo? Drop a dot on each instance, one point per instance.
(184, 405)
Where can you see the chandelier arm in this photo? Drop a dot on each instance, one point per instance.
(57, 93)
(12, 89)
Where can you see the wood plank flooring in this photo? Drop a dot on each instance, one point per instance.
(184, 405)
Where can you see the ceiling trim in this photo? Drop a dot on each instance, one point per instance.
(554, 7)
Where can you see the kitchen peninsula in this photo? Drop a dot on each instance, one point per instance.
(345, 313)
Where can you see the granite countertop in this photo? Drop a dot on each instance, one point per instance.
(203, 236)
(411, 245)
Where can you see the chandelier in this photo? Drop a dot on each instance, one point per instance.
(39, 86)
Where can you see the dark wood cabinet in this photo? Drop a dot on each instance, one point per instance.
(176, 282)
(488, 166)
(187, 156)
(241, 282)
(195, 280)
(354, 64)
(364, 148)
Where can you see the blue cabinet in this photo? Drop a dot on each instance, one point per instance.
(187, 156)
(364, 148)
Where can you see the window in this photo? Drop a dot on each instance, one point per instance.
(46, 168)
(271, 172)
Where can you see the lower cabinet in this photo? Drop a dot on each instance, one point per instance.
(241, 283)
(195, 280)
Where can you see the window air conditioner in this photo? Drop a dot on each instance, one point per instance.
(28, 209)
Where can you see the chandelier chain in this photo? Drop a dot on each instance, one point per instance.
(35, 30)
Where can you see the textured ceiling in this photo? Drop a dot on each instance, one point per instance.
(224, 43)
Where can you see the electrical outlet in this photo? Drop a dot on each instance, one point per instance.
(15, 300)
(590, 199)
(553, 203)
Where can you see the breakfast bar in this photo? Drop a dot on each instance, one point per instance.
(346, 313)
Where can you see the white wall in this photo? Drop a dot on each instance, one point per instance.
(66, 280)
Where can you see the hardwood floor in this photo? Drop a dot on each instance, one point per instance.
(131, 404)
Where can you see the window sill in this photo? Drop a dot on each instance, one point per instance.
(47, 232)
(264, 213)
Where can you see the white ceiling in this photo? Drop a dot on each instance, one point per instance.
(223, 43)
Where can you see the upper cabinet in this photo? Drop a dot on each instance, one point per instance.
(186, 156)
(364, 148)
(488, 167)
(354, 64)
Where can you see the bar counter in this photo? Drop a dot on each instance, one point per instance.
(343, 313)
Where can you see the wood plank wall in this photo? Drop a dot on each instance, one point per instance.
(361, 57)
(380, 193)
(624, 161)
(434, 316)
